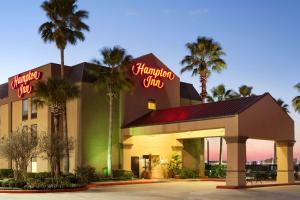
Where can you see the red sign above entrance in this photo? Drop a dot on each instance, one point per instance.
(22, 82)
(152, 76)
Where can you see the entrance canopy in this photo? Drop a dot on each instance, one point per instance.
(256, 117)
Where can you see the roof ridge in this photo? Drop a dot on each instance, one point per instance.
(227, 100)
(147, 54)
(195, 112)
(252, 103)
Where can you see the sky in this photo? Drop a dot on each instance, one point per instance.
(260, 38)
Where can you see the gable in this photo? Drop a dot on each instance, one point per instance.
(266, 120)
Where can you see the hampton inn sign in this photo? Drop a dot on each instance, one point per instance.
(152, 76)
(21, 83)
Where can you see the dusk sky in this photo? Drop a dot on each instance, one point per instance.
(261, 40)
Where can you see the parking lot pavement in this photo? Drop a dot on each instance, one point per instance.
(187, 190)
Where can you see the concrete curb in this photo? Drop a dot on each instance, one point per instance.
(92, 185)
(45, 191)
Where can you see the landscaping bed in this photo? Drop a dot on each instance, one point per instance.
(42, 181)
(46, 182)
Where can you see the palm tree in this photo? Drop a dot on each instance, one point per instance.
(54, 93)
(112, 76)
(205, 56)
(220, 93)
(296, 100)
(64, 27)
(283, 105)
(245, 91)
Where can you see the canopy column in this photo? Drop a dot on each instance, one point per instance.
(285, 165)
(236, 160)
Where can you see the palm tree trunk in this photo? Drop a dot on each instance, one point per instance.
(109, 145)
(57, 163)
(207, 142)
(66, 159)
(62, 63)
(221, 148)
(203, 80)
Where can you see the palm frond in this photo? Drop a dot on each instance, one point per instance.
(65, 24)
(113, 73)
(283, 105)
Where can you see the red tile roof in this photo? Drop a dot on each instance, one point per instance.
(195, 112)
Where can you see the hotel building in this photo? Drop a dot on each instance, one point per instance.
(160, 117)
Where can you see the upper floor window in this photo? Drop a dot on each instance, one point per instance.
(24, 109)
(151, 104)
(33, 109)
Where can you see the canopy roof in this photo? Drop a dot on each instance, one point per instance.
(196, 112)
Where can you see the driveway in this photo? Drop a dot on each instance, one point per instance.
(163, 191)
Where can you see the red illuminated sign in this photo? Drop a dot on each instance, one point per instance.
(22, 82)
(152, 75)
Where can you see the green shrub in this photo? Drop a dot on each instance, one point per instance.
(40, 176)
(40, 185)
(71, 178)
(174, 165)
(67, 181)
(86, 174)
(120, 173)
(4, 183)
(187, 173)
(218, 171)
(11, 183)
(6, 173)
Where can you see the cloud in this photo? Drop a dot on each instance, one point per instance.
(198, 12)
(131, 13)
(168, 11)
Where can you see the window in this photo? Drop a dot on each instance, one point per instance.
(24, 109)
(33, 109)
(34, 130)
(33, 165)
(151, 104)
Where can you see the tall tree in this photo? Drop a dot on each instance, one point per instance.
(296, 100)
(64, 26)
(219, 93)
(245, 91)
(54, 93)
(205, 56)
(283, 105)
(19, 147)
(112, 76)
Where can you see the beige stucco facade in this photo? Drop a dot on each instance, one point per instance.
(87, 118)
